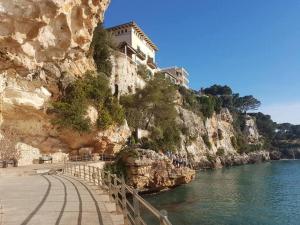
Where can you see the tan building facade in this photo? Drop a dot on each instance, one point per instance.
(177, 75)
(135, 44)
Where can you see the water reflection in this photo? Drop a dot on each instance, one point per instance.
(263, 194)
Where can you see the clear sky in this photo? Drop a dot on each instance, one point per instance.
(251, 45)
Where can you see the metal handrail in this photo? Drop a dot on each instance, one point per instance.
(119, 191)
(1, 213)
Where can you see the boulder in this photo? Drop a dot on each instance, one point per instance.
(27, 154)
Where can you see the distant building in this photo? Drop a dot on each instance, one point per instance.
(177, 75)
(134, 43)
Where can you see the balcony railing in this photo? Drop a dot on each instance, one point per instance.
(140, 54)
(151, 63)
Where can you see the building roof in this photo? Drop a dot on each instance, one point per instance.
(137, 29)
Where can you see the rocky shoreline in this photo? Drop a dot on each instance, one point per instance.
(152, 172)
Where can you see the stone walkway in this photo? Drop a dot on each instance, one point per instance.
(54, 200)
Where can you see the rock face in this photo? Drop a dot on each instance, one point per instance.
(251, 158)
(44, 44)
(48, 35)
(251, 130)
(125, 79)
(218, 130)
(154, 172)
(27, 154)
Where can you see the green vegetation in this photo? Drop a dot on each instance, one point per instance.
(205, 138)
(266, 127)
(102, 47)
(220, 152)
(143, 72)
(153, 109)
(246, 103)
(220, 134)
(119, 166)
(218, 90)
(93, 90)
(201, 105)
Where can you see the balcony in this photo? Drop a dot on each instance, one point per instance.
(151, 63)
(140, 54)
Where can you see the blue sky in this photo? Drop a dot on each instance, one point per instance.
(251, 45)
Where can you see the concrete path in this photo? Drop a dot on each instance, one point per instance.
(54, 200)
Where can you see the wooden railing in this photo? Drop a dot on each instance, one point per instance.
(133, 206)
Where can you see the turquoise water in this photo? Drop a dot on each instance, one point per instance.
(262, 194)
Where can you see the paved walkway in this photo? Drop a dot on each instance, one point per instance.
(54, 200)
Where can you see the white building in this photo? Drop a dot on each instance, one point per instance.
(134, 43)
(177, 75)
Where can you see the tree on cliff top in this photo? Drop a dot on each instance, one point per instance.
(247, 103)
(153, 109)
(218, 90)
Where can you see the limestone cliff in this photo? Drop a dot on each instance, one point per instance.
(150, 171)
(44, 45)
(207, 143)
(47, 37)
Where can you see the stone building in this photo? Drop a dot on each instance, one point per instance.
(135, 44)
(177, 75)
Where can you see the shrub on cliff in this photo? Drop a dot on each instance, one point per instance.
(101, 47)
(119, 166)
(220, 152)
(206, 141)
(201, 105)
(218, 90)
(94, 90)
(153, 109)
(143, 72)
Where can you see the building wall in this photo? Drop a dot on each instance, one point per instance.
(120, 37)
(181, 79)
(124, 75)
(138, 41)
(133, 39)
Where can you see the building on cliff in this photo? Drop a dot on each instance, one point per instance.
(177, 75)
(135, 44)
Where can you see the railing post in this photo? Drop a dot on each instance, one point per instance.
(103, 178)
(163, 217)
(94, 175)
(116, 192)
(84, 172)
(80, 175)
(98, 176)
(109, 182)
(124, 199)
(89, 173)
(136, 207)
